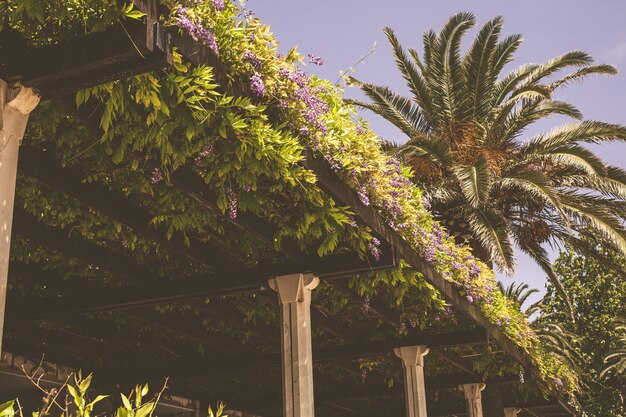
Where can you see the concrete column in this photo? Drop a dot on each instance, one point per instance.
(414, 389)
(16, 103)
(511, 412)
(294, 296)
(473, 397)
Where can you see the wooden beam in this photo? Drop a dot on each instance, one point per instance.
(123, 49)
(363, 349)
(151, 289)
(343, 194)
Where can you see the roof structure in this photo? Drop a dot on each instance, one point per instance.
(160, 187)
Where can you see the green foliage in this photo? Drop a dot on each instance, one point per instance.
(73, 399)
(250, 151)
(599, 297)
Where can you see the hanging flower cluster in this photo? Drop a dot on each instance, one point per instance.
(195, 29)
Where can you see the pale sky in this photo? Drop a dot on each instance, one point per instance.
(341, 31)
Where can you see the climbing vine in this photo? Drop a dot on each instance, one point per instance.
(244, 124)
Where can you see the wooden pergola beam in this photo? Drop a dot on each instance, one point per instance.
(343, 194)
(124, 49)
(233, 363)
(152, 290)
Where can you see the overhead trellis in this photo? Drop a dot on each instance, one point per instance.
(200, 180)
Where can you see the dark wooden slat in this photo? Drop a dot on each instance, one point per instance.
(342, 193)
(361, 349)
(153, 290)
(124, 49)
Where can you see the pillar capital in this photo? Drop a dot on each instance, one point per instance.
(472, 391)
(412, 355)
(294, 288)
(16, 98)
(473, 397)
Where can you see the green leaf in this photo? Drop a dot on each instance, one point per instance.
(126, 402)
(6, 409)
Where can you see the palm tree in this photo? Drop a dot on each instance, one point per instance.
(554, 337)
(616, 360)
(489, 185)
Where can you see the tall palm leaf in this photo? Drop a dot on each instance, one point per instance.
(465, 120)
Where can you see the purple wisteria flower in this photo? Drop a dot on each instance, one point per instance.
(219, 5)
(156, 177)
(474, 270)
(363, 196)
(316, 60)
(470, 298)
(374, 248)
(558, 382)
(252, 59)
(257, 86)
(429, 255)
(195, 29)
(304, 131)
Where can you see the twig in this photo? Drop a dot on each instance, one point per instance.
(353, 66)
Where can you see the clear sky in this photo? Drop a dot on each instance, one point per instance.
(341, 31)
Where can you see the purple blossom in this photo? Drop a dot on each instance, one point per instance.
(521, 377)
(558, 382)
(257, 85)
(374, 248)
(315, 142)
(429, 255)
(156, 177)
(232, 203)
(470, 298)
(283, 104)
(252, 59)
(316, 60)
(360, 130)
(195, 29)
(363, 196)
(204, 153)
(457, 266)
(219, 5)
(304, 131)
(247, 188)
(474, 270)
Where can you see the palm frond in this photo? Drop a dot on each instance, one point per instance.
(397, 109)
(586, 132)
(416, 83)
(474, 181)
(603, 69)
(491, 230)
(478, 67)
(540, 256)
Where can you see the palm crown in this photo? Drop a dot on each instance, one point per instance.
(464, 121)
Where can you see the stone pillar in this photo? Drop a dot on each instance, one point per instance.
(294, 296)
(414, 389)
(473, 397)
(511, 412)
(16, 103)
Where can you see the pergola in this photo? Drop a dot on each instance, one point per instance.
(141, 326)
